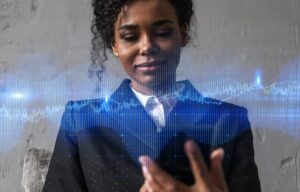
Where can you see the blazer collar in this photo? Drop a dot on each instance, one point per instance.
(191, 107)
(137, 127)
(124, 94)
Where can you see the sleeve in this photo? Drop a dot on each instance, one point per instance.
(243, 173)
(65, 173)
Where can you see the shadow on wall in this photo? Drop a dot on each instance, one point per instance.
(277, 156)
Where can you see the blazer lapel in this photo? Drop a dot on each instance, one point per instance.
(137, 129)
(190, 111)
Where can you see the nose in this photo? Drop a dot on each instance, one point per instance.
(148, 46)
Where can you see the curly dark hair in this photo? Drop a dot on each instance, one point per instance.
(105, 15)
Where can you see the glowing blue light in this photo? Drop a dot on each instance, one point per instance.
(106, 99)
(258, 80)
(18, 95)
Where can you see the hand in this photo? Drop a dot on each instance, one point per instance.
(206, 180)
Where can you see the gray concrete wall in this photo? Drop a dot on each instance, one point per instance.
(248, 53)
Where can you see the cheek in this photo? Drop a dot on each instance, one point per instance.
(171, 52)
(171, 47)
(126, 57)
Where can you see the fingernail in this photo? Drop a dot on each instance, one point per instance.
(144, 160)
(221, 152)
(218, 153)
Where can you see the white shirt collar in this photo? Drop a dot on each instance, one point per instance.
(142, 97)
(171, 97)
(164, 105)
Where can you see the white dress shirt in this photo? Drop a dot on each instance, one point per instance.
(158, 108)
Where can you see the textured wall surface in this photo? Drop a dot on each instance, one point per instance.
(44, 56)
(36, 164)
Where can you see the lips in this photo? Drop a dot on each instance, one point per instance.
(149, 64)
(149, 67)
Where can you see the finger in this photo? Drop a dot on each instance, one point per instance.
(198, 165)
(216, 171)
(149, 185)
(151, 181)
(145, 162)
(146, 173)
(153, 186)
(144, 188)
(157, 177)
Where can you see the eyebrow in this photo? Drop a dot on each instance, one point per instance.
(155, 24)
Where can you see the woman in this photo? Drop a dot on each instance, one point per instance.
(101, 143)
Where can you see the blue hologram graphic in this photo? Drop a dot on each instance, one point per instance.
(276, 105)
(258, 81)
(18, 95)
(276, 90)
(258, 78)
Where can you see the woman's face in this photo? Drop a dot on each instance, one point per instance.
(147, 43)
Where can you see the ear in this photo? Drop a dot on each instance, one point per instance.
(115, 50)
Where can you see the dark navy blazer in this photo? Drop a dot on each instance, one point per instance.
(100, 140)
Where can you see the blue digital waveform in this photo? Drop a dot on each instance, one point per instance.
(287, 89)
(39, 87)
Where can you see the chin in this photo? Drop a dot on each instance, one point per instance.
(152, 80)
(155, 82)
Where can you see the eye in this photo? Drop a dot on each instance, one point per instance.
(164, 34)
(129, 37)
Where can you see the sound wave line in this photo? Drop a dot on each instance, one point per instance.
(285, 89)
(32, 116)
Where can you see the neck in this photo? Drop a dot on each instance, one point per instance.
(156, 89)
